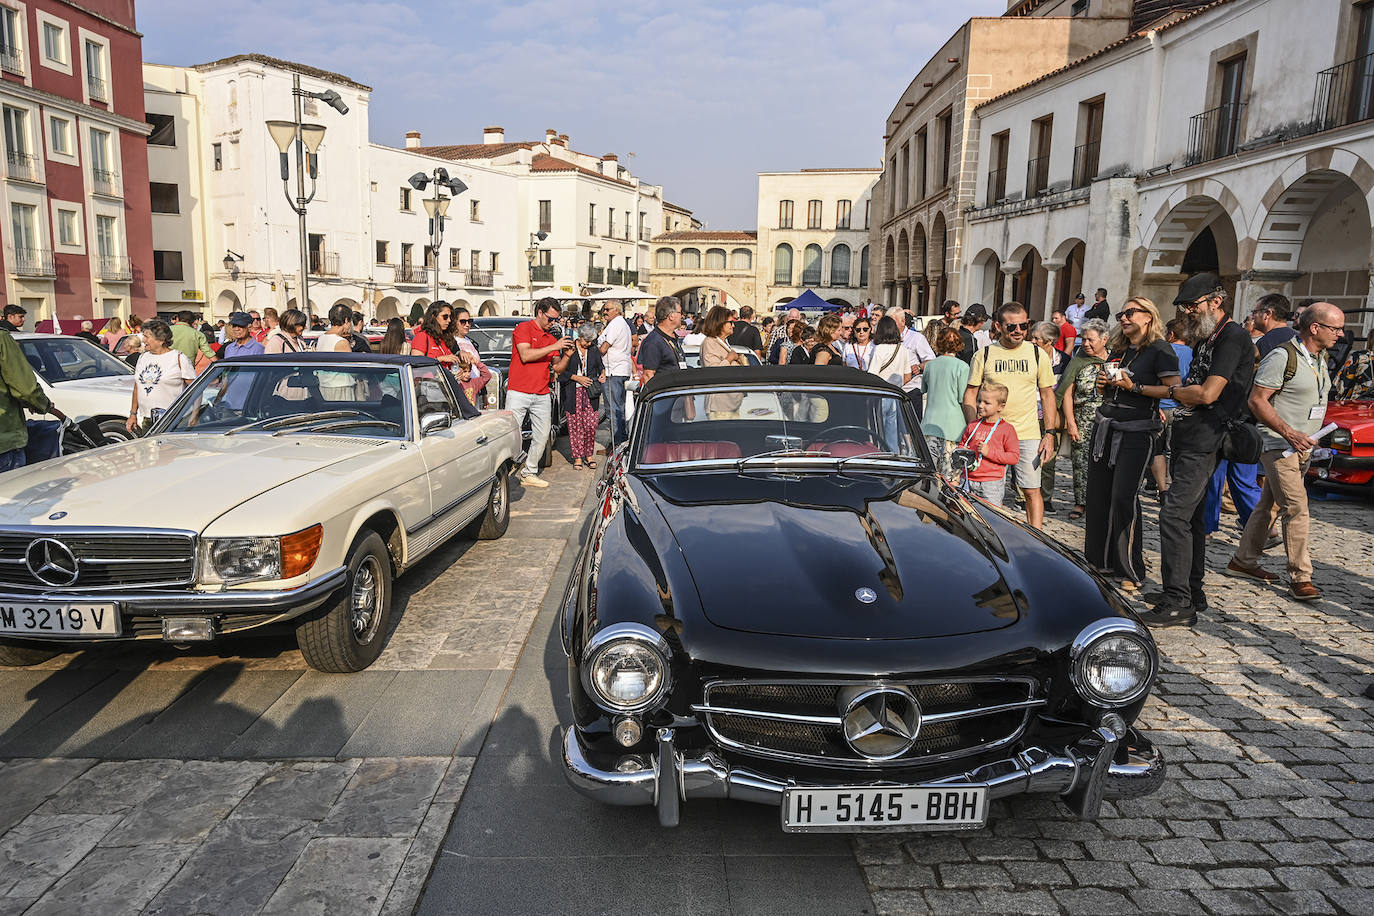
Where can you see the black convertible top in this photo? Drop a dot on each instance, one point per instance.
(781, 376)
(310, 356)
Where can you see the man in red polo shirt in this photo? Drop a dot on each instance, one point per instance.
(534, 354)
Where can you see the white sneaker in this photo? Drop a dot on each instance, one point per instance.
(532, 480)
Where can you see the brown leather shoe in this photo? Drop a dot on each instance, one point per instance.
(1304, 591)
(1237, 569)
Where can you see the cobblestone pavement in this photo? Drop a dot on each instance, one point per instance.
(234, 780)
(1269, 805)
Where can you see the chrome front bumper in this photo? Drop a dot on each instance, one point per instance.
(1082, 775)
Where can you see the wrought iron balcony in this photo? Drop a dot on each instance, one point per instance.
(1345, 94)
(410, 275)
(596, 275)
(96, 89)
(997, 186)
(1085, 161)
(480, 278)
(632, 277)
(113, 267)
(32, 262)
(1215, 133)
(325, 263)
(615, 276)
(21, 166)
(811, 276)
(541, 273)
(105, 183)
(11, 60)
(782, 277)
(1037, 176)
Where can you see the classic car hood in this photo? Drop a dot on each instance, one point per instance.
(1356, 416)
(792, 555)
(180, 481)
(122, 384)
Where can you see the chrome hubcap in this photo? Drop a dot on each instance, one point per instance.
(365, 600)
(498, 498)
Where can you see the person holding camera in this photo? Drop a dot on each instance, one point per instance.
(535, 353)
(1212, 396)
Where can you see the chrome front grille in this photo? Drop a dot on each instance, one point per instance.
(803, 720)
(106, 560)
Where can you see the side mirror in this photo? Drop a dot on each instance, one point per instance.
(433, 422)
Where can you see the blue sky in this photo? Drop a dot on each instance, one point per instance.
(705, 94)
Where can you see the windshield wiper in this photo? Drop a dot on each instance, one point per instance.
(330, 425)
(879, 456)
(779, 453)
(292, 419)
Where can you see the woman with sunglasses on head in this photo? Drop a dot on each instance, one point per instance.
(858, 351)
(1140, 371)
(478, 374)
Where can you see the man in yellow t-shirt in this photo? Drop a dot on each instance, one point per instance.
(1026, 371)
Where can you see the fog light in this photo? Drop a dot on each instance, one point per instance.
(631, 764)
(627, 731)
(188, 629)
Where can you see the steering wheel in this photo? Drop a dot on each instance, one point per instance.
(87, 372)
(829, 435)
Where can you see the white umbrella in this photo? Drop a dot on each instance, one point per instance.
(623, 293)
(549, 292)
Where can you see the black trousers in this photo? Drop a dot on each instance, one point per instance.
(1182, 527)
(917, 398)
(1112, 525)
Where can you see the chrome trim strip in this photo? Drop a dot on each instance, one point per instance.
(980, 711)
(834, 721)
(200, 603)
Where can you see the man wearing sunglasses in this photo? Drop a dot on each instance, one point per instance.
(1022, 366)
(1214, 392)
(615, 343)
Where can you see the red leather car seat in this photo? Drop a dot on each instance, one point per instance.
(842, 449)
(668, 452)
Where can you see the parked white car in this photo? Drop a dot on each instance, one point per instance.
(83, 379)
(291, 487)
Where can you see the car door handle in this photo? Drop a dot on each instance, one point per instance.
(482, 440)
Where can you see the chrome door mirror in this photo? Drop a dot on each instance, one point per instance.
(433, 422)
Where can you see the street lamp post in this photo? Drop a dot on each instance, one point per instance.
(307, 139)
(437, 208)
(531, 253)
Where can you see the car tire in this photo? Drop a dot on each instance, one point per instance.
(496, 518)
(349, 635)
(23, 656)
(114, 431)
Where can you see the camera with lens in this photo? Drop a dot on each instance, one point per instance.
(556, 330)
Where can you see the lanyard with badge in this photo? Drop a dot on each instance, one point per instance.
(1318, 410)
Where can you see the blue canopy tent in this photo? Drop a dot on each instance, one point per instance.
(808, 301)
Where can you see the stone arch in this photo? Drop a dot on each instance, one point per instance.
(987, 279)
(311, 310)
(1283, 220)
(1179, 221)
(863, 267)
(691, 258)
(939, 237)
(813, 265)
(903, 261)
(227, 302)
(423, 302)
(488, 307)
(1068, 257)
(840, 302)
(889, 260)
(665, 259)
(919, 261)
(353, 304)
(389, 308)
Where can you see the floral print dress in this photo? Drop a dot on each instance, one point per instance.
(1086, 399)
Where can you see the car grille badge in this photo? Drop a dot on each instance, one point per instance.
(866, 595)
(880, 723)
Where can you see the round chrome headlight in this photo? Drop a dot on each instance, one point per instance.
(625, 668)
(1113, 662)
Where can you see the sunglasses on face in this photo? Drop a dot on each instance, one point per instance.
(1019, 326)
(465, 321)
(861, 327)
(445, 317)
(1122, 316)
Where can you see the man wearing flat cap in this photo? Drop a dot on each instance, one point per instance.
(1214, 392)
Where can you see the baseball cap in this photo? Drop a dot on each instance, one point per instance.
(241, 319)
(1081, 296)
(1195, 287)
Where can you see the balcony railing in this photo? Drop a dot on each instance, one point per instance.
(1345, 94)
(1037, 176)
(1085, 161)
(645, 233)
(105, 183)
(632, 277)
(11, 60)
(811, 276)
(409, 274)
(615, 276)
(541, 273)
(21, 166)
(480, 278)
(596, 275)
(1215, 133)
(95, 88)
(782, 277)
(325, 263)
(113, 267)
(997, 186)
(32, 262)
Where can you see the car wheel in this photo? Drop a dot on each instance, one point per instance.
(496, 519)
(348, 636)
(23, 656)
(114, 431)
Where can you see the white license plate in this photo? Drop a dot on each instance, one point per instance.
(58, 620)
(884, 808)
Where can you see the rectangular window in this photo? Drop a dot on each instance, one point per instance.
(813, 214)
(474, 260)
(167, 265)
(164, 130)
(784, 214)
(217, 156)
(60, 135)
(868, 210)
(11, 57)
(54, 42)
(16, 131)
(591, 219)
(165, 198)
(627, 225)
(407, 253)
(495, 262)
(610, 222)
(382, 252)
(1087, 155)
(1232, 78)
(107, 236)
(922, 154)
(455, 259)
(100, 150)
(946, 123)
(997, 175)
(545, 258)
(405, 199)
(844, 210)
(24, 223)
(642, 234)
(67, 232)
(546, 216)
(475, 211)
(1038, 166)
(95, 72)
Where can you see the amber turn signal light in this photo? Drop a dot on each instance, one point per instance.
(299, 550)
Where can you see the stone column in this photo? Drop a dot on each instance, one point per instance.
(1052, 269)
(1008, 271)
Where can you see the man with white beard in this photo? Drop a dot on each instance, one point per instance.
(1214, 392)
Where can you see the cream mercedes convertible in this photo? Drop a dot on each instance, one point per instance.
(276, 489)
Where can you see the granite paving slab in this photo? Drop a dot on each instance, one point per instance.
(386, 797)
(42, 847)
(315, 717)
(302, 789)
(340, 876)
(112, 787)
(187, 803)
(111, 881)
(27, 784)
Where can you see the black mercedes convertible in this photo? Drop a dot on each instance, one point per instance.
(781, 602)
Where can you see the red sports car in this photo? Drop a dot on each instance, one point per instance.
(1352, 446)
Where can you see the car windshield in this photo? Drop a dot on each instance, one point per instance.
(491, 340)
(335, 400)
(66, 359)
(773, 424)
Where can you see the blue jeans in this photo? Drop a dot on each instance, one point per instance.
(615, 407)
(12, 460)
(1245, 492)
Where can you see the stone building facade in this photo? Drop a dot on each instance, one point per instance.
(813, 229)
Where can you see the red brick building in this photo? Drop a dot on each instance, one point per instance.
(76, 217)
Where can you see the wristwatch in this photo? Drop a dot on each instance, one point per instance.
(1171, 391)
